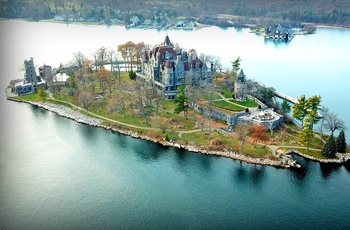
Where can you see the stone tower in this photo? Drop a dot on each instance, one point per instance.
(30, 74)
(240, 90)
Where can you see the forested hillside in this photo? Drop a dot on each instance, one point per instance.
(330, 12)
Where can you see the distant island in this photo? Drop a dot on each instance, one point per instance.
(169, 95)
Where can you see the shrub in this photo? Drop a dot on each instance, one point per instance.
(132, 75)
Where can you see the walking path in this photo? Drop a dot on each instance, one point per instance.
(223, 98)
(115, 121)
(99, 116)
(273, 148)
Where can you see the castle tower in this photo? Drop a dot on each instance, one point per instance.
(30, 74)
(241, 87)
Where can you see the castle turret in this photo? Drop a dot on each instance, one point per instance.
(240, 89)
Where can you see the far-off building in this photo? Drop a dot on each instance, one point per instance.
(165, 68)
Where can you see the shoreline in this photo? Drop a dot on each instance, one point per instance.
(74, 115)
(199, 25)
(66, 112)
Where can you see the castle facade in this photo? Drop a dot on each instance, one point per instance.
(165, 68)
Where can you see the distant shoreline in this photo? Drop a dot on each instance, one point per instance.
(198, 27)
(324, 26)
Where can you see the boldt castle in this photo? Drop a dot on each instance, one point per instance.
(165, 68)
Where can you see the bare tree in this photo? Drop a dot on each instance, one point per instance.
(242, 136)
(193, 93)
(118, 103)
(111, 56)
(102, 56)
(139, 49)
(323, 113)
(132, 103)
(86, 99)
(209, 94)
(163, 124)
(91, 86)
(113, 60)
(333, 123)
(78, 59)
(95, 59)
(270, 127)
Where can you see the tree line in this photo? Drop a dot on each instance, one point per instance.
(309, 112)
(335, 12)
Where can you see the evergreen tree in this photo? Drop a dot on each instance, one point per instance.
(285, 107)
(341, 142)
(132, 75)
(181, 101)
(236, 64)
(300, 109)
(330, 148)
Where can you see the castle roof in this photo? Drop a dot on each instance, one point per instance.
(241, 73)
(241, 76)
(167, 41)
(197, 61)
(163, 50)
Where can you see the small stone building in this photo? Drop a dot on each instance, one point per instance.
(45, 72)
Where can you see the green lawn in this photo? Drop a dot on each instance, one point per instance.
(29, 97)
(313, 153)
(227, 105)
(247, 103)
(227, 93)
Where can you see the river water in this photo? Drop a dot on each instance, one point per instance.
(55, 173)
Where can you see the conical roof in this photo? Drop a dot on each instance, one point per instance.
(167, 41)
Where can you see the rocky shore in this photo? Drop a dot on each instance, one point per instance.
(149, 136)
(344, 158)
(81, 118)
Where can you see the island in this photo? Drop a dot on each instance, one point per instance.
(173, 97)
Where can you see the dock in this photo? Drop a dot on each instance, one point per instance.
(284, 96)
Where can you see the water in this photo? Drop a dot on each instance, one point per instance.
(55, 173)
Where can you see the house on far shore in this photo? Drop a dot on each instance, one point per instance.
(165, 68)
(31, 81)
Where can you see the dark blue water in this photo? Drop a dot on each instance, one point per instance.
(56, 173)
